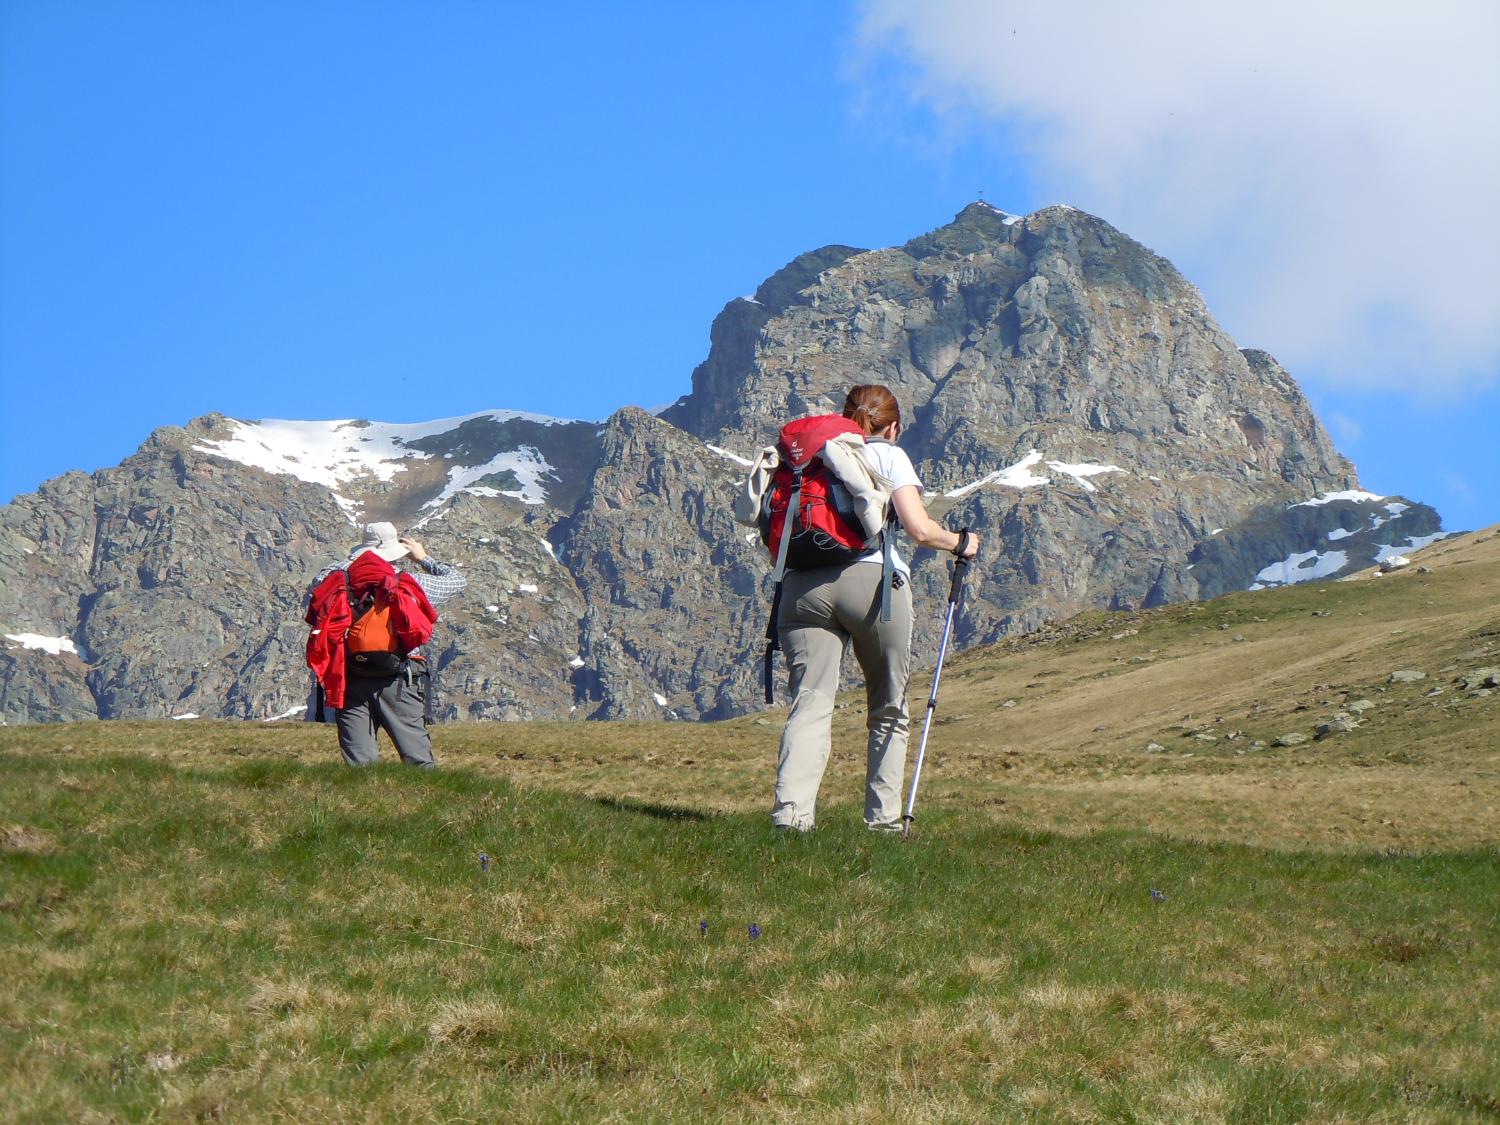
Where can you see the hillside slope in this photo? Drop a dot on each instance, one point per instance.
(1165, 720)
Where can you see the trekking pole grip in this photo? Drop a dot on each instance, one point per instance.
(960, 567)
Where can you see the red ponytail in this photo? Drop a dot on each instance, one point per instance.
(872, 407)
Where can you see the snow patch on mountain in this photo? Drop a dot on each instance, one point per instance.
(1329, 497)
(1415, 543)
(1009, 219)
(528, 465)
(35, 642)
(341, 451)
(1022, 474)
(1018, 475)
(727, 455)
(1081, 473)
(1305, 566)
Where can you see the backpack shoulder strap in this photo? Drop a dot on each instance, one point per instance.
(887, 565)
(793, 506)
(773, 633)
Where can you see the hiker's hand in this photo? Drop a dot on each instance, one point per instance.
(418, 552)
(971, 549)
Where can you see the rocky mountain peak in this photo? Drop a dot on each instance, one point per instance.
(1065, 392)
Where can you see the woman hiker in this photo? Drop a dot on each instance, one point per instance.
(823, 609)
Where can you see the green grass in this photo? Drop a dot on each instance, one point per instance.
(272, 940)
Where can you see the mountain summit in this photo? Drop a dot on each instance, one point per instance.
(1065, 391)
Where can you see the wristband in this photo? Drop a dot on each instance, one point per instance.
(962, 544)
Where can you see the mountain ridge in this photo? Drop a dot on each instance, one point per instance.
(1067, 394)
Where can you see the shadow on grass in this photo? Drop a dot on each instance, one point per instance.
(651, 809)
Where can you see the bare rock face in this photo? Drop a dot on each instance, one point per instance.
(508, 647)
(1057, 348)
(38, 686)
(1330, 537)
(1001, 335)
(181, 577)
(673, 585)
(1065, 393)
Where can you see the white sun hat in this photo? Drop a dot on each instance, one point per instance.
(381, 538)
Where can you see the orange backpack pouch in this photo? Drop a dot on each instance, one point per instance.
(371, 642)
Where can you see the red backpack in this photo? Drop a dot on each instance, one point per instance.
(824, 528)
(366, 621)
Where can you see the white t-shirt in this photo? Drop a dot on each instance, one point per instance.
(891, 462)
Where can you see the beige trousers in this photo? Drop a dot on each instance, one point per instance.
(822, 611)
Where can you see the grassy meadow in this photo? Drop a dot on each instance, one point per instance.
(1123, 901)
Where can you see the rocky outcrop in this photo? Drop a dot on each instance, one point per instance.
(675, 589)
(1066, 394)
(1051, 337)
(1330, 537)
(180, 576)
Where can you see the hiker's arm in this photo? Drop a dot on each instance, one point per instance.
(923, 529)
(442, 582)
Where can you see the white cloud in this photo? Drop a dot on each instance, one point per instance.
(1326, 173)
(1345, 429)
(1458, 485)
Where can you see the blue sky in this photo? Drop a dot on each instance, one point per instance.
(410, 211)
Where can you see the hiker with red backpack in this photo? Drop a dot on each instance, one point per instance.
(840, 583)
(369, 625)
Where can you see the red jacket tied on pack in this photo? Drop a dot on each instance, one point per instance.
(329, 614)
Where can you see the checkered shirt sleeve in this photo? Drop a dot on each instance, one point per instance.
(441, 581)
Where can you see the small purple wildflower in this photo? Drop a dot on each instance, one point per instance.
(754, 931)
(702, 929)
(1157, 896)
(484, 862)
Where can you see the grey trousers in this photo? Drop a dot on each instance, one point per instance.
(390, 703)
(822, 611)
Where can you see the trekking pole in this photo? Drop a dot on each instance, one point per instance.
(955, 595)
